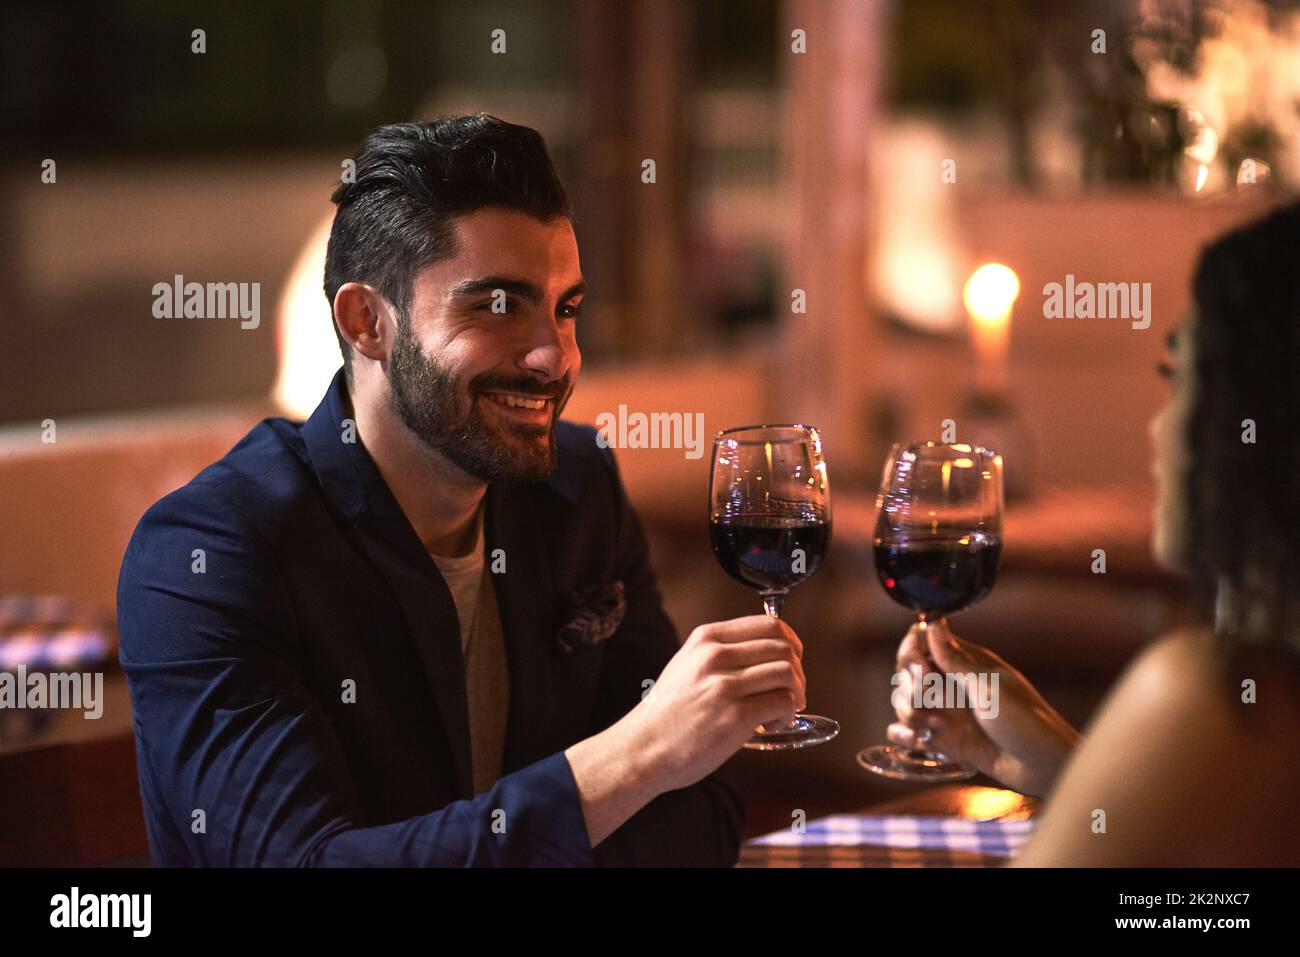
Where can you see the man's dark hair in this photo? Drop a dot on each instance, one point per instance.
(412, 180)
(1243, 506)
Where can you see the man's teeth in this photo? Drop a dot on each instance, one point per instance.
(517, 402)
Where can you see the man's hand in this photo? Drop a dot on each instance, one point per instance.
(726, 679)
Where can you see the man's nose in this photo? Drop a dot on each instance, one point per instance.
(547, 351)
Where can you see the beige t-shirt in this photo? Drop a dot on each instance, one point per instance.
(482, 642)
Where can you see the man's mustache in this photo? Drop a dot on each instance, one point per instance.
(554, 390)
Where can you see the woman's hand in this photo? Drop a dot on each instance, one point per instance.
(1020, 740)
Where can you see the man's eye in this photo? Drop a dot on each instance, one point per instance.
(570, 312)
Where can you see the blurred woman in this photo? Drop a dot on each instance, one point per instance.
(1194, 757)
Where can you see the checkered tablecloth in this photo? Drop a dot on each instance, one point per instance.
(896, 840)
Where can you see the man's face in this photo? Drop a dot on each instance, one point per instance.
(485, 388)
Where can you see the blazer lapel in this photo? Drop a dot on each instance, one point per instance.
(387, 538)
(524, 596)
(377, 526)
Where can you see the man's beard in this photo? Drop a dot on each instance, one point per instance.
(445, 415)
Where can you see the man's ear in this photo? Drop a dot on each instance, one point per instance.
(365, 319)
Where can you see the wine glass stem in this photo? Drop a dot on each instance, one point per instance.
(924, 624)
(923, 737)
(773, 602)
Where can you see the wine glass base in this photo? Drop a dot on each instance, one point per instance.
(805, 731)
(910, 764)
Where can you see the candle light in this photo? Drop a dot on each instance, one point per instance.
(989, 295)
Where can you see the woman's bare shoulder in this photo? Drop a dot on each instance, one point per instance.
(1182, 762)
(1206, 697)
(1230, 683)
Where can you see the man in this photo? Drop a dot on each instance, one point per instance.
(418, 629)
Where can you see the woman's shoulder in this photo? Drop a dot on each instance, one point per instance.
(1184, 759)
(1237, 705)
(1218, 676)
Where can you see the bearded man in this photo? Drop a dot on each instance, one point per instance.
(418, 629)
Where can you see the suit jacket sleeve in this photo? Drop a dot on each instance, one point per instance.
(695, 826)
(225, 727)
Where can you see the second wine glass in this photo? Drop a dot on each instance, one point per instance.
(937, 541)
(770, 526)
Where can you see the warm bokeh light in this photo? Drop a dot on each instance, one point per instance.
(989, 804)
(989, 293)
(918, 259)
(308, 349)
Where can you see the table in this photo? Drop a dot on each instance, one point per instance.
(949, 825)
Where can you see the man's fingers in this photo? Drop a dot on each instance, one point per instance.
(787, 633)
(772, 710)
(742, 654)
(772, 676)
(776, 653)
(752, 627)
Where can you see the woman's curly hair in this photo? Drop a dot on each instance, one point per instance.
(1243, 504)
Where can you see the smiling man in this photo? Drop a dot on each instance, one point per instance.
(418, 628)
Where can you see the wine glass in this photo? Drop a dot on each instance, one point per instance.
(770, 526)
(937, 541)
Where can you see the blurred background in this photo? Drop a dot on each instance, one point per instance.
(829, 175)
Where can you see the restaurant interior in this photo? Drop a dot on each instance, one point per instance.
(855, 212)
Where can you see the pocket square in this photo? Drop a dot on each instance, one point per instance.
(590, 615)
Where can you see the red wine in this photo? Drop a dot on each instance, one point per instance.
(759, 549)
(938, 576)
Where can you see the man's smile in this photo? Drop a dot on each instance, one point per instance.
(521, 407)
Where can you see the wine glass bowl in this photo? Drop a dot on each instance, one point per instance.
(937, 542)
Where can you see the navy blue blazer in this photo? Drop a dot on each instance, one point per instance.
(253, 597)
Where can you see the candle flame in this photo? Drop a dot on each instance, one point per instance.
(989, 293)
